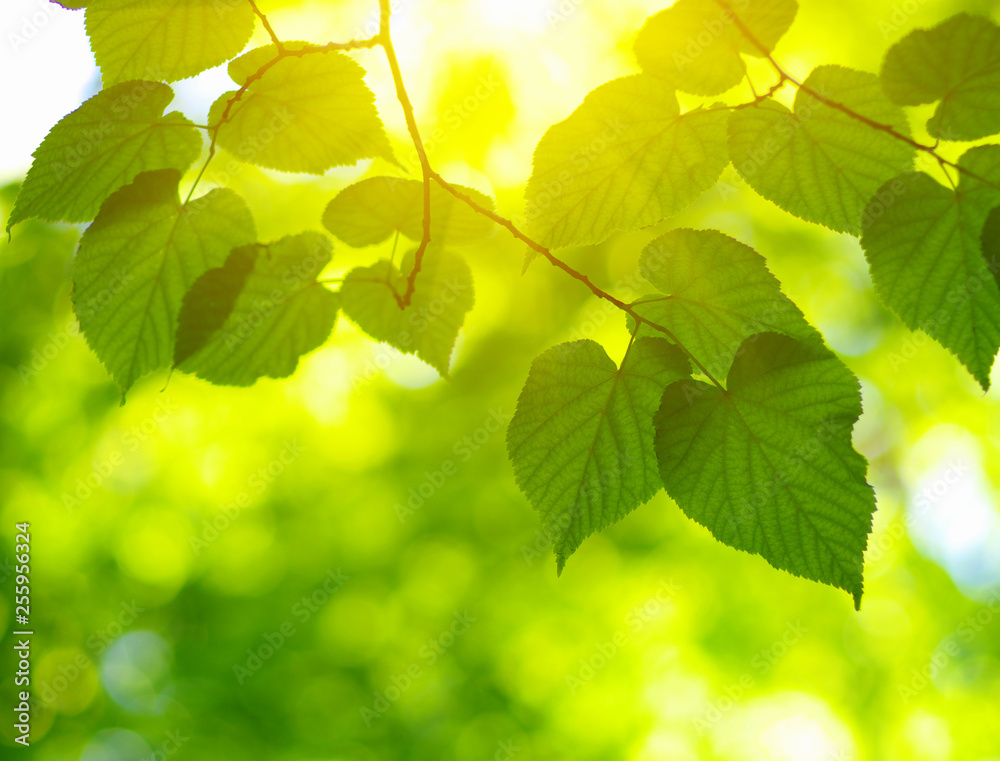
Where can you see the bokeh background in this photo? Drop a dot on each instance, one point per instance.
(280, 573)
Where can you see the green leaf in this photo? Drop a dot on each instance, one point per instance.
(443, 294)
(258, 313)
(695, 45)
(767, 465)
(925, 252)
(370, 211)
(819, 163)
(307, 112)
(990, 241)
(956, 62)
(139, 258)
(165, 39)
(102, 146)
(718, 292)
(581, 440)
(625, 159)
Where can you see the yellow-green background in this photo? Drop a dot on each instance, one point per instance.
(718, 656)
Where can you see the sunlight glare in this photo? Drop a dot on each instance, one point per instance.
(527, 16)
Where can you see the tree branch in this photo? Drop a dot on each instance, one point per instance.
(888, 129)
(385, 39)
(575, 274)
(267, 26)
(283, 52)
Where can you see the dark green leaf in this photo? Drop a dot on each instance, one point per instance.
(767, 465)
(581, 440)
(818, 162)
(956, 62)
(718, 292)
(924, 246)
(137, 261)
(259, 313)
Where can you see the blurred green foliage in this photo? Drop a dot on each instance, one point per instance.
(339, 567)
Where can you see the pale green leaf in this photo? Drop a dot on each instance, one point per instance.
(581, 440)
(165, 39)
(370, 211)
(625, 159)
(767, 465)
(956, 62)
(138, 260)
(695, 45)
(257, 314)
(429, 325)
(306, 112)
(102, 146)
(717, 292)
(925, 251)
(819, 163)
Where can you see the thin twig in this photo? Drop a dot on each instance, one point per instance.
(385, 39)
(267, 26)
(283, 53)
(876, 125)
(575, 274)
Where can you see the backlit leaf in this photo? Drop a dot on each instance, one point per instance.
(717, 293)
(259, 313)
(581, 440)
(625, 159)
(165, 39)
(102, 146)
(819, 163)
(924, 246)
(767, 465)
(956, 62)
(695, 45)
(307, 112)
(428, 327)
(138, 260)
(370, 211)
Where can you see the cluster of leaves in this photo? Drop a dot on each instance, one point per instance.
(726, 396)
